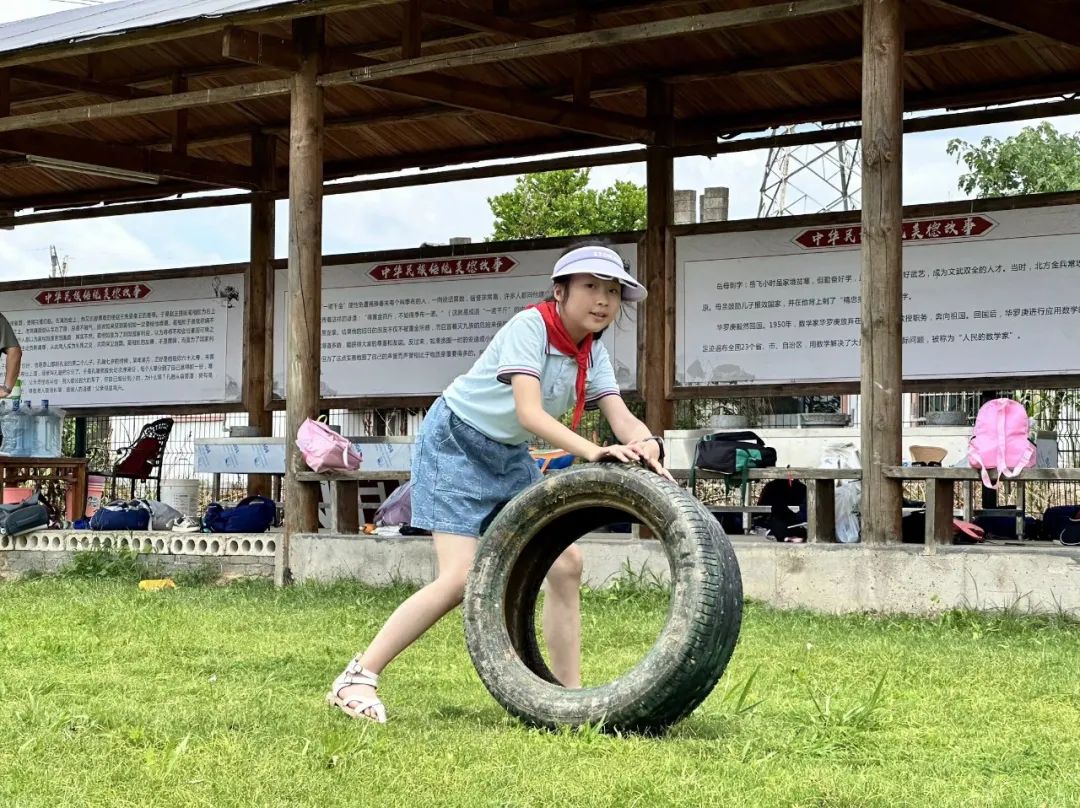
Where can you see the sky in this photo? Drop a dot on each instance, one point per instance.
(403, 217)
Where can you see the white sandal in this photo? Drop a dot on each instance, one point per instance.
(357, 674)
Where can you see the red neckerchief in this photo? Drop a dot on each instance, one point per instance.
(560, 338)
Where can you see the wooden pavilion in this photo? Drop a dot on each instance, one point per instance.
(126, 106)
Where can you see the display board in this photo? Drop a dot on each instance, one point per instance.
(985, 294)
(145, 342)
(409, 327)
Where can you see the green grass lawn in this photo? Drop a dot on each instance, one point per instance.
(212, 696)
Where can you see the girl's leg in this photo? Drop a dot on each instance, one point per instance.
(562, 616)
(454, 555)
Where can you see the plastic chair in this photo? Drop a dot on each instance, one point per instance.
(142, 460)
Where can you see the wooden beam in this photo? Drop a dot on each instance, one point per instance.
(462, 93)
(225, 95)
(657, 373)
(254, 47)
(124, 207)
(608, 37)
(126, 158)
(519, 105)
(930, 43)
(882, 303)
(925, 43)
(180, 119)
(259, 301)
(697, 131)
(147, 106)
(583, 70)
(65, 81)
(928, 123)
(487, 23)
(304, 323)
(468, 154)
(1056, 21)
(411, 32)
(557, 13)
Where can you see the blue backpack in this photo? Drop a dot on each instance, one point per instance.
(251, 515)
(121, 515)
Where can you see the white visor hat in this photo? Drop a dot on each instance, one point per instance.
(603, 262)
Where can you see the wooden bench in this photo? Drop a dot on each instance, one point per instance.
(940, 494)
(820, 494)
(345, 493)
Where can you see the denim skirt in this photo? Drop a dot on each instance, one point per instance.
(460, 476)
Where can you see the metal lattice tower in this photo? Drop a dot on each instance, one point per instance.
(813, 178)
(58, 268)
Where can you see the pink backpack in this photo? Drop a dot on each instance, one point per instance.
(1000, 440)
(326, 450)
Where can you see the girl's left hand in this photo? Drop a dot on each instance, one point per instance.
(634, 453)
(619, 452)
(649, 450)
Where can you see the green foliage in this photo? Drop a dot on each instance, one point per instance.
(860, 715)
(1038, 160)
(560, 203)
(633, 584)
(116, 564)
(205, 573)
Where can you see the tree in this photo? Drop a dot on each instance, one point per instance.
(560, 203)
(1038, 160)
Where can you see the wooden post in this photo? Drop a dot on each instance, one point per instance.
(411, 34)
(5, 110)
(657, 359)
(5, 92)
(821, 510)
(304, 328)
(259, 302)
(882, 276)
(939, 514)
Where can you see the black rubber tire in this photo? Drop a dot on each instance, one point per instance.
(703, 619)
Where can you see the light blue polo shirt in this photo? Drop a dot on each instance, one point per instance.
(483, 399)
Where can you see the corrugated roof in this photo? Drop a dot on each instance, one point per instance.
(110, 19)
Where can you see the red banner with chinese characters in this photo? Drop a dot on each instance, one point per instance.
(450, 267)
(94, 294)
(945, 227)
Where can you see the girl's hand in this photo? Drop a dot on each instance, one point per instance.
(630, 454)
(618, 452)
(650, 457)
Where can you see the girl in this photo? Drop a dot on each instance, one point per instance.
(472, 455)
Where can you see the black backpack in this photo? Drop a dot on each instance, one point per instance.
(23, 517)
(732, 453)
(1070, 534)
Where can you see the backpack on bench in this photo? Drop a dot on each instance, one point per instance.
(1000, 440)
(23, 517)
(733, 454)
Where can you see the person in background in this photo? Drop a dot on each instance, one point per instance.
(9, 346)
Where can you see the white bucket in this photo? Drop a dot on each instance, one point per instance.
(182, 495)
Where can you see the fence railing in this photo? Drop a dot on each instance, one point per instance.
(1052, 409)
